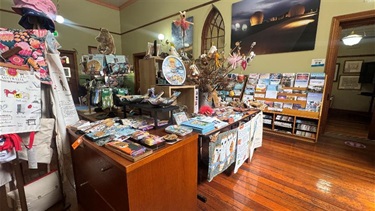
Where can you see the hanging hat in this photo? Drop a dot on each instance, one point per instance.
(44, 21)
(45, 8)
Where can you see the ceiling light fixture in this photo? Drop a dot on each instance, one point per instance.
(352, 39)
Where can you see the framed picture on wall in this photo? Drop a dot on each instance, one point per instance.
(337, 70)
(93, 50)
(67, 72)
(349, 82)
(353, 66)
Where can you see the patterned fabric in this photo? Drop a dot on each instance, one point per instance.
(33, 47)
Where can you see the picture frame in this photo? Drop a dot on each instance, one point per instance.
(93, 50)
(337, 70)
(173, 70)
(353, 66)
(349, 82)
(67, 72)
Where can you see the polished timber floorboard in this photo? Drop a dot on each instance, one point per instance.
(294, 175)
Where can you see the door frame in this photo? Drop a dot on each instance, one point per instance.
(339, 23)
(136, 58)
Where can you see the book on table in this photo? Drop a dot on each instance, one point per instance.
(199, 126)
(128, 149)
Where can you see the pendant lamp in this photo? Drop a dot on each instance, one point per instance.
(352, 39)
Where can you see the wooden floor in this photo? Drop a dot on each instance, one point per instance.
(294, 175)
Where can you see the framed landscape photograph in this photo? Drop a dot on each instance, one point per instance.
(349, 82)
(353, 66)
(337, 70)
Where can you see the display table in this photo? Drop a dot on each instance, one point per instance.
(164, 180)
(204, 140)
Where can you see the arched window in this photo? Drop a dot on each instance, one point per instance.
(213, 32)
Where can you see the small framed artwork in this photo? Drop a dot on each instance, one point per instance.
(67, 72)
(349, 82)
(337, 70)
(93, 50)
(353, 66)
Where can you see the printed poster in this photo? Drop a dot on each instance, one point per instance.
(20, 101)
(221, 152)
(243, 144)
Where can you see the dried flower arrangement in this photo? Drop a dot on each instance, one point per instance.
(210, 70)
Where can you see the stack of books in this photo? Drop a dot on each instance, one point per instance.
(199, 126)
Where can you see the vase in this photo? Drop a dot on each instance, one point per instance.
(203, 99)
(208, 99)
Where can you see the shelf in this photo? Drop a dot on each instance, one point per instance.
(280, 124)
(306, 122)
(187, 97)
(298, 113)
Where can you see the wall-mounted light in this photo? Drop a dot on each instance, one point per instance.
(352, 39)
(161, 37)
(60, 19)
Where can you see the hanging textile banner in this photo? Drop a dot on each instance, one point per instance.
(243, 144)
(258, 133)
(221, 153)
(20, 100)
(32, 45)
(63, 104)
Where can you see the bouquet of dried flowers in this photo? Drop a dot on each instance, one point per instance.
(210, 71)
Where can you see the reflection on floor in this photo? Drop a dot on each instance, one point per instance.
(287, 174)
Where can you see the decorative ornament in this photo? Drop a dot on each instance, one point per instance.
(183, 23)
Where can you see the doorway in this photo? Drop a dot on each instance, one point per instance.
(338, 24)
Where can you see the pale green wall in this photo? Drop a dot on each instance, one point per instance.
(145, 11)
(80, 12)
(136, 41)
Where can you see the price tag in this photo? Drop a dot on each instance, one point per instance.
(31, 157)
(77, 142)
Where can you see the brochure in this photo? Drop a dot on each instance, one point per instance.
(302, 80)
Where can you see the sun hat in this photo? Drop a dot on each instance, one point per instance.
(43, 19)
(46, 7)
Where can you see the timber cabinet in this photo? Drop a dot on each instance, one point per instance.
(149, 70)
(164, 180)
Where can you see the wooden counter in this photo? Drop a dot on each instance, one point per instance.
(164, 180)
